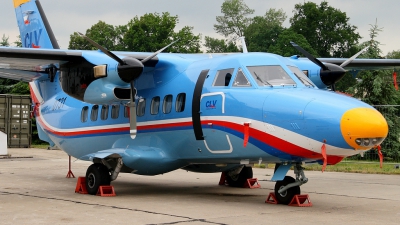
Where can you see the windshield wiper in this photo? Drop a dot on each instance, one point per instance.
(305, 81)
(262, 81)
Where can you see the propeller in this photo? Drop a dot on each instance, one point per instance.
(330, 73)
(128, 70)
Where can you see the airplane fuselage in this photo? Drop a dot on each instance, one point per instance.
(180, 125)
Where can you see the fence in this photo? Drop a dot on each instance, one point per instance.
(391, 145)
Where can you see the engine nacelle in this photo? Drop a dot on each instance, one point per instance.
(95, 84)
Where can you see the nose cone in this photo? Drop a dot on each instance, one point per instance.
(363, 128)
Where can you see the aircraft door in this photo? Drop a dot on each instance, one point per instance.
(207, 110)
(212, 109)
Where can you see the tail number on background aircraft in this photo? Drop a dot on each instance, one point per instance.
(32, 39)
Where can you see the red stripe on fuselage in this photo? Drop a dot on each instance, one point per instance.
(270, 140)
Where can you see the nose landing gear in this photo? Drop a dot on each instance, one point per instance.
(287, 188)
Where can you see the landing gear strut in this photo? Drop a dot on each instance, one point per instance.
(287, 188)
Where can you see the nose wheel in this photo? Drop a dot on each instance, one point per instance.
(286, 196)
(287, 188)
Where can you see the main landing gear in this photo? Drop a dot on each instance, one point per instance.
(287, 188)
(98, 174)
(239, 176)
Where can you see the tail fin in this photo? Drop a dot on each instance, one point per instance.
(33, 26)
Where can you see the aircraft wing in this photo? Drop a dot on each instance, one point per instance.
(27, 64)
(365, 64)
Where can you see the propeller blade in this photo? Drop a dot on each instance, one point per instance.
(309, 56)
(132, 112)
(333, 87)
(345, 63)
(104, 50)
(156, 53)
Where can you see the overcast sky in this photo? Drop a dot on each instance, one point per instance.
(67, 16)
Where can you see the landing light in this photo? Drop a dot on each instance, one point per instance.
(368, 142)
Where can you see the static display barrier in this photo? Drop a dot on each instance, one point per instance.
(15, 120)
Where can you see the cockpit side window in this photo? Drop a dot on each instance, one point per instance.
(270, 75)
(223, 77)
(302, 77)
(241, 80)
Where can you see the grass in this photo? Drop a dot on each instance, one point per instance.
(349, 167)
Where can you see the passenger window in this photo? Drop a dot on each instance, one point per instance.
(167, 104)
(241, 80)
(94, 113)
(155, 105)
(223, 77)
(141, 107)
(84, 114)
(104, 112)
(114, 111)
(180, 102)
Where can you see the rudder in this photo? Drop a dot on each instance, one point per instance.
(35, 30)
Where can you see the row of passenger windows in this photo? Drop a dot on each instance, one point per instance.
(140, 109)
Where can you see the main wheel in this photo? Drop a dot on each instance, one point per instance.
(96, 175)
(286, 197)
(240, 179)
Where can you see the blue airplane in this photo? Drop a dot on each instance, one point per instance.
(152, 113)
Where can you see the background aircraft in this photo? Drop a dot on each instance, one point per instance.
(151, 113)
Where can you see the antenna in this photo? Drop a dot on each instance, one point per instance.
(243, 45)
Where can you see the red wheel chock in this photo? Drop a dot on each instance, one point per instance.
(222, 180)
(297, 200)
(81, 186)
(271, 199)
(106, 191)
(301, 201)
(252, 183)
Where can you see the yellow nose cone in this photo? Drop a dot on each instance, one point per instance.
(363, 128)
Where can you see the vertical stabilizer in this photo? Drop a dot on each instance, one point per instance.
(33, 26)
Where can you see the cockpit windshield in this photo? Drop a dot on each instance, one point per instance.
(302, 77)
(270, 75)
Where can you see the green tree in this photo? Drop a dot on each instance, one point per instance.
(188, 42)
(376, 87)
(283, 47)
(235, 19)
(101, 32)
(265, 30)
(327, 29)
(78, 42)
(20, 88)
(18, 42)
(393, 54)
(4, 41)
(153, 31)
(215, 45)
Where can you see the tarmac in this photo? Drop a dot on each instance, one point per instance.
(34, 190)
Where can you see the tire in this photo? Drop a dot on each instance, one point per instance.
(240, 179)
(96, 175)
(286, 197)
